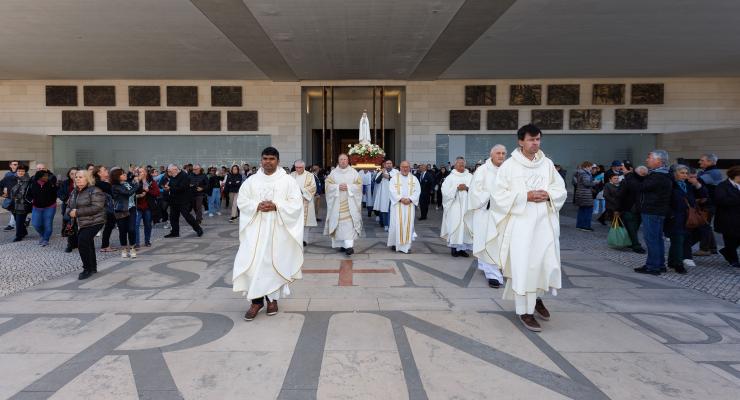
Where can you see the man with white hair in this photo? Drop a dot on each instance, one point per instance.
(484, 226)
(307, 182)
(654, 203)
(404, 192)
(457, 223)
(343, 206)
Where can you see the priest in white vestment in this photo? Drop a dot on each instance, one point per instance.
(404, 197)
(484, 226)
(343, 206)
(307, 183)
(367, 190)
(457, 223)
(382, 194)
(527, 197)
(270, 252)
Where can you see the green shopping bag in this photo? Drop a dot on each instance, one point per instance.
(618, 236)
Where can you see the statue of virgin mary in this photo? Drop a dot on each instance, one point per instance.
(364, 129)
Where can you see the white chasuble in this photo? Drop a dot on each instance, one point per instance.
(457, 224)
(528, 232)
(343, 208)
(307, 183)
(401, 230)
(382, 200)
(480, 205)
(270, 252)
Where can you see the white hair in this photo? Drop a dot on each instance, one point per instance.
(498, 146)
(711, 157)
(642, 169)
(299, 162)
(662, 155)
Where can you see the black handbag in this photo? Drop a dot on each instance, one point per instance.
(70, 229)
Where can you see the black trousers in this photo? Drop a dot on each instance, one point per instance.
(86, 246)
(110, 223)
(732, 242)
(20, 226)
(424, 200)
(126, 234)
(176, 210)
(261, 300)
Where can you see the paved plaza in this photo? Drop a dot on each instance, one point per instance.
(380, 325)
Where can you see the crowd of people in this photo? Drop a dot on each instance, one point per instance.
(676, 201)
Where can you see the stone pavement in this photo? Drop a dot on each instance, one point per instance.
(379, 325)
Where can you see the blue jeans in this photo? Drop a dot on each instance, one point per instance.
(385, 218)
(583, 220)
(599, 206)
(652, 232)
(42, 220)
(214, 201)
(146, 216)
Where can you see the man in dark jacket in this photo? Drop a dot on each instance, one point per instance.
(654, 203)
(426, 179)
(629, 192)
(727, 219)
(7, 183)
(180, 199)
(710, 176)
(198, 186)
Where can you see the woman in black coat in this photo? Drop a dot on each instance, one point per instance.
(684, 193)
(231, 187)
(727, 218)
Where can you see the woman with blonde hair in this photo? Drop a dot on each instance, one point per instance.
(86, 207)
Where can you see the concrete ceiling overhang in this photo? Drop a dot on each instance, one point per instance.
(289, 40)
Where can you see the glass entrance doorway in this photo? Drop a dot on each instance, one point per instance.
(331, 118)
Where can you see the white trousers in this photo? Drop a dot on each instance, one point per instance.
(491, 271)
(525, 303)
(342, 243)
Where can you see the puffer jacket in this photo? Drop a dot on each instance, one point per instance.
(18, 195)
(90, 205)
(584, 195)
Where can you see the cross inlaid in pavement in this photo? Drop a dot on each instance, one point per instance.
(346, 272)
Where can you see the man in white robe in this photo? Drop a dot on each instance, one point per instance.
(307, 183)
(527, 197)
(404, 197)
(457, 223)
(367, 190)
(343, 206)
(484, 226)
(382, 194)
(270, 252)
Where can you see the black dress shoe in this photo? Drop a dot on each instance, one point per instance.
(305, 244)
(393, 248)
(494, 283)
(171, 235)
(84, 275)
(639, 250)
(199, 232)
(350, 251)
(8, 228)
(680, 269)
(454, 253)
(17, 239)
(68, 250)
(644, 270)
(341, 250)
(463, 253)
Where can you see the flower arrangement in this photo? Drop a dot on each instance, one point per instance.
(365, 154)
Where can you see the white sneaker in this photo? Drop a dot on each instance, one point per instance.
(689, 263)
(385, 228)
(218, 213)
(210, 215)
(133, 253)
(124, 254)
(166, 226)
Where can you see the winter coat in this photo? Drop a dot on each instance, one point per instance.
(584, 193)
(18, 195)
(655, 193)
(180, 193)
(90, 205)
(611, 195)
(629, 192)
(199, 181)
(727, 200)
(233, 183)
(121, 194)
(675, 223)
(43, 195)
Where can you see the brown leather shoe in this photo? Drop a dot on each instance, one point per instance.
(272, 308)
(539, 308)
(530, 323)
(252, 312)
